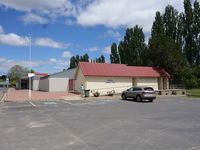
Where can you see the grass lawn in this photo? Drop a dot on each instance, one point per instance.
(194, 92)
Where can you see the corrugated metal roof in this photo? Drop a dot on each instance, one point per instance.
(64, 74)
(120, 70)
(104, 69)
(139, 71)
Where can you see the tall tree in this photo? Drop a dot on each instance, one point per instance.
(180, 29)
(170, 17)
(165, 53)
(196, 31)
(132, 47)
(188, 34)
(165, 44)
(72, 63)
(158, 25)
(139, 45)
(100, 59)
(85, 58)
(114, 56)
(74, 60)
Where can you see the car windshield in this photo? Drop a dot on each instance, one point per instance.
(148, 89)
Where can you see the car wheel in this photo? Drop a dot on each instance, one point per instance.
(151, 100)
(123, 96)
(138, 98)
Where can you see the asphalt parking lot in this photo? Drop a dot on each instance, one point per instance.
(166, 124)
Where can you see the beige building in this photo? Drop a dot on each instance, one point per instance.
(103, 77)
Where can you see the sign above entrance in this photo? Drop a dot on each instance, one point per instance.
(31, 75)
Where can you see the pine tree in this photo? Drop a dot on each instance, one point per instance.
(170, 22)
(102, 59)
(188, 34)
(72, 63)
(180, 29)
(132, 47)
(158, 25)
(114, 56)
(165, 53)
(196, 31)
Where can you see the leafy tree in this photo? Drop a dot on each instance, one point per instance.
(74, 60)
(165, 53)
(3, 77)
(85, 58)
(73, 63)
(16, 72)
(31, 71)
(158, 25)
(180, 29)
(196, 31)
(100, 59)
(114, 56)
(132, 47)
(188, 34)
(170, 21)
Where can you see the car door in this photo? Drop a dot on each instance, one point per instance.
(132, 92)
(129, 92)
(136, 91)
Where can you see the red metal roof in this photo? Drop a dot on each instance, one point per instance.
(140, 71)
(120, 70)
(41, 74)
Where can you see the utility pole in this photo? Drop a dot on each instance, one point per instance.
(29, 93)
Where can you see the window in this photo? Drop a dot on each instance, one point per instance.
(110, 81)
(148, 89)
(137, 89)
(130, 89)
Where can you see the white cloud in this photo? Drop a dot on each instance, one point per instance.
(33, 18)
(93, 49)
(66, 54)
(58, 62)
(112, 13)
(111, 34)
(58, 68)
(13, 39)
(6, 64)
(53, 60)
(47, 42)
(1, 29)
(107, 50)
(50, 7)
(70, 22)
(114, 34)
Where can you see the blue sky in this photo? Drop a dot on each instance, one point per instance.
(60, 29)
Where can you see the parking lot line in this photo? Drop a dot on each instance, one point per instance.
(32, 104)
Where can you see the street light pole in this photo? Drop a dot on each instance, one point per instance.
(29, 93)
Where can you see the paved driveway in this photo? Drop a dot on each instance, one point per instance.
(166, 124)
(22, 95)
